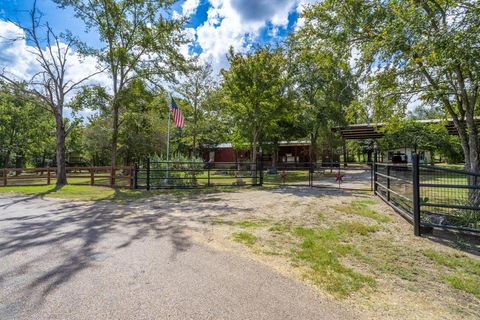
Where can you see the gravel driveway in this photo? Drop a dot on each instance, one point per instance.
(80, 260)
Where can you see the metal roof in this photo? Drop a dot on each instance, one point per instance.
(374, 130)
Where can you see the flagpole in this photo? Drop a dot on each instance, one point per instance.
(168, 142)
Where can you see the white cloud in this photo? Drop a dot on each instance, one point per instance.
(18, 59)
(302, 4)
(189, 7)
(237, 23)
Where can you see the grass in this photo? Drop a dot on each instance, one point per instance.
(322, 250)
(362, 208)
(463, 272)
(245, 237)
(98, 193)
(248, 224)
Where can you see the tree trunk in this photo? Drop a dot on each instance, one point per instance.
(311, 151)
(60, 154)
(114, 143)
(195, 128)
(254, 155)
(273, 167)
(474, 194)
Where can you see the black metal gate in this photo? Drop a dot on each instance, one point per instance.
(174, 174)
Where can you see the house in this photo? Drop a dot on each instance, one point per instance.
(288, 152)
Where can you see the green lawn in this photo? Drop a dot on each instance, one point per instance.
(74, 192)
(98, 193)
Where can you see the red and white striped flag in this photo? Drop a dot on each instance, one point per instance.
(177, 114)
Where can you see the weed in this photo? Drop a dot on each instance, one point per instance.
(247, 224)
(279, 228)
(321, 250)
(245, 237)
(465, 282)
(362, 208)
(357, 227)
(464, 271)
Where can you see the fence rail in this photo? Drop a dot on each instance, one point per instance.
(430, 196)
(94, 176)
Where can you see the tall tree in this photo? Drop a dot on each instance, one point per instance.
(141, 41)
(25, 126)
(194, 89)
(254, 87)
(49, 84)
(324, 86)
(425, 49)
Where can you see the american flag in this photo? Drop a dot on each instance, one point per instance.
(177, 115)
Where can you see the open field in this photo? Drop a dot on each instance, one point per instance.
(357, 256)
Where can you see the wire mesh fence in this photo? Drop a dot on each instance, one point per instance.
(430, 196)
(449, 198)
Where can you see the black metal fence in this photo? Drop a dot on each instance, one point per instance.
(430, 196)
(170, 174)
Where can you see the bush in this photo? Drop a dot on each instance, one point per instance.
(178, 171)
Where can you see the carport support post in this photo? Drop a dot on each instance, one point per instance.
(208, 172)
(148, 173)
(416, 195)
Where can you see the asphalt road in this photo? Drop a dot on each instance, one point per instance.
(68, 260)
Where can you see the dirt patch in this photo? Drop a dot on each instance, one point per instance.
(350, 246)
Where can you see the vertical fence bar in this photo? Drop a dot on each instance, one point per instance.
(5, 176)
(92, 177)
(388, 183)
(130, 177)
(416, 194)
(311, 170)
(148, 173)
(208, 174)
(135, 177)
(48, 176)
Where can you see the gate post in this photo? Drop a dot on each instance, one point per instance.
(148, 173)
(261, 169)
(311, 171)
(416, 194)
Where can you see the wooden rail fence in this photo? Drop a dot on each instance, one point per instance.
(100, 176)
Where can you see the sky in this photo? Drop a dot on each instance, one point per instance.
(213, 27)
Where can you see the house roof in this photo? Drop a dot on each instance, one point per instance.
(374, 130)
(281, 143)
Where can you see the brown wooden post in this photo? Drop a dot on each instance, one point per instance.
(5, 178)
(48, 176)
(92, 177)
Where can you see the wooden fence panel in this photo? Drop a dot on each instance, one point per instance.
(120, 177)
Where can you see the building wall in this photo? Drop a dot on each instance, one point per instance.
(425, 156)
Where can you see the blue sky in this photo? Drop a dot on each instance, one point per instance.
(214, 25)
